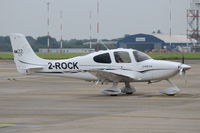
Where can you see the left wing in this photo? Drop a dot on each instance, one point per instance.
(114, 75)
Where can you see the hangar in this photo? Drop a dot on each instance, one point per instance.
(148, 42)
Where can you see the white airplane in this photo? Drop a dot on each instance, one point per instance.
(118, 65)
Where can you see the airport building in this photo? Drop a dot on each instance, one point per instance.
(149, 42)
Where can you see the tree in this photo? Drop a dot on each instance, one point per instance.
(159, 31)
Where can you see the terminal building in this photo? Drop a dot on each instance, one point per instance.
(149, 42)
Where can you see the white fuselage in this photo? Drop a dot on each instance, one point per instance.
(147, 70)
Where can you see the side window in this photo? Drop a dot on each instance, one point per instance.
(122, 57)
(103, 58)
(139, 56)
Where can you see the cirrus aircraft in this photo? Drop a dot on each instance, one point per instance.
(115, 66)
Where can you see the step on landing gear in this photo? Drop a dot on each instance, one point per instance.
(115, 90)
(128, 89)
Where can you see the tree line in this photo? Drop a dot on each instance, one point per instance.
(41, 42)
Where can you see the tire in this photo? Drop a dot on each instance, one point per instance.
(129, 93)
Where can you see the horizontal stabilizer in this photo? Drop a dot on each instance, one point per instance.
(32, 67)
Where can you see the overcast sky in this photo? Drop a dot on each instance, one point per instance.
(117, 17)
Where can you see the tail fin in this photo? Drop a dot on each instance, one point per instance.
(24, 56)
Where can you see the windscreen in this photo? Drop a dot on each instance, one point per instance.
(139, 56)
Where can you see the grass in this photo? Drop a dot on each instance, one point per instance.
(6, 56)
(59, 55)
(175, 56)
(9, 55)
(161, 56)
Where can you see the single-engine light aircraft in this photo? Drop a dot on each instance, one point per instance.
(115, 66)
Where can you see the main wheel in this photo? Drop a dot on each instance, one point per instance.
(113, 95)
(129, 93)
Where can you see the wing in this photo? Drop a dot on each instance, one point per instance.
(114, 75)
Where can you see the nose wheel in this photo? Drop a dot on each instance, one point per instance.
(172, 91)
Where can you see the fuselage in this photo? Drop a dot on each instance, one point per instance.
(136, 63)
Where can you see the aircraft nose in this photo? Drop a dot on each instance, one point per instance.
(185, 67)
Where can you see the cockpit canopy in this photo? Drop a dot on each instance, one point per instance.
(139, 56)
(121, 56)
(103, 58)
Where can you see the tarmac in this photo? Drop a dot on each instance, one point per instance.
(46, 104)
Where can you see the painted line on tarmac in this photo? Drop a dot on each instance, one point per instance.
(153, 117)
(29, 79)
(7, 74)
(9, 68)
(4, 125)
(7, 78)
(39, 81)
(5, 63)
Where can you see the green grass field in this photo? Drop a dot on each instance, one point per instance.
(9, 55)
(58, 55)
(175, 56)
(161, 56)
(6, 55)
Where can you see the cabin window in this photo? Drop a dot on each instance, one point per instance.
(103, 58)
(139, 56)
(122, 57)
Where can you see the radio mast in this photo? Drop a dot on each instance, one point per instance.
(48, 25)
(90, 27)
(61, 31)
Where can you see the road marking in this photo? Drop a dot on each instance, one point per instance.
(22, 79)
(10, 68)
(4, 125)
(153, 117)
(5, 63)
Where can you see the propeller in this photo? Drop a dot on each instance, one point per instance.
(183, 68)
(185, 78)
(182, 72)
(183, 58)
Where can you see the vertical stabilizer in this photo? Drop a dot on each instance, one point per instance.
(24, 55)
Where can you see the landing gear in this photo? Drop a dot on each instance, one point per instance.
(128, 89)
(172, 91)
(114, 90)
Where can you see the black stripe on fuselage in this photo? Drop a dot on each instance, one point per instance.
(144, 71)
(49, 72)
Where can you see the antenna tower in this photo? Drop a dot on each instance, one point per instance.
(61, 31)
(48, 25)
(90, 28)
(193, 32)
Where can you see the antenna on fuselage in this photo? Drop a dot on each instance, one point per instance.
(101, 42)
